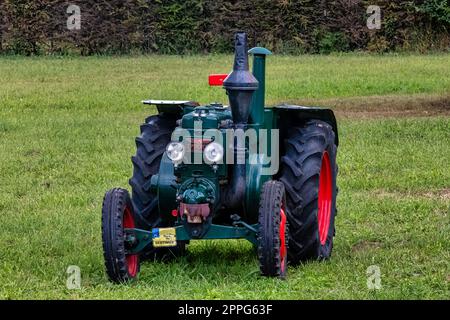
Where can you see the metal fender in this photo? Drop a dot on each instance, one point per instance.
(291, 114)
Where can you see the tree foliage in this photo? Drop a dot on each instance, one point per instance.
(198, 26)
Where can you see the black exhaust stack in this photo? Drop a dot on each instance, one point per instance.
(240, 85)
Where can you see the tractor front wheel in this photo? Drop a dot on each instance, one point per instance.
(273, 231)
(117, 215)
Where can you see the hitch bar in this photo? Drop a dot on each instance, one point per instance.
(137, 239)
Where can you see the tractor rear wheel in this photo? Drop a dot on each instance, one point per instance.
(273, 231)
(150, 146)
(308, 172)
(116, 216)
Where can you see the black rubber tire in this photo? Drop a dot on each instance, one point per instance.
(150, 146)
(299, 172)
(115, 202)
(269, 242)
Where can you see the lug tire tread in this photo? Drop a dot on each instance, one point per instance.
(300, 171)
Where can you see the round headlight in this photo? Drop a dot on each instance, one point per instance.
(175, 152)
(213, 153)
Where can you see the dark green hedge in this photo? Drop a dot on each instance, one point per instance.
(200, 26)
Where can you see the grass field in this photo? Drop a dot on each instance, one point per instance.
(67, 128)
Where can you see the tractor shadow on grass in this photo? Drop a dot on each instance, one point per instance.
(223, 257)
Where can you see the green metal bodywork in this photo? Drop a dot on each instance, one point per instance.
(164, 185)
(201, 183)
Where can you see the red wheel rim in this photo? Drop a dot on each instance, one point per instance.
(325, 198)
(132, 259)
(283, 250)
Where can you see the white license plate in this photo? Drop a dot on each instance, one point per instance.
(164, 237)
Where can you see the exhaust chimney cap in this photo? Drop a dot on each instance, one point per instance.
(240, 78)
(260, 51)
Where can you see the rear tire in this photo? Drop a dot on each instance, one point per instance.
(117, 215)
(308, 172)
(150, 146)
(273, 231)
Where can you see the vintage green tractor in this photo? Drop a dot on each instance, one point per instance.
(243, 171)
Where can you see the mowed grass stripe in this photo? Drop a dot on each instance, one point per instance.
(119, 83)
